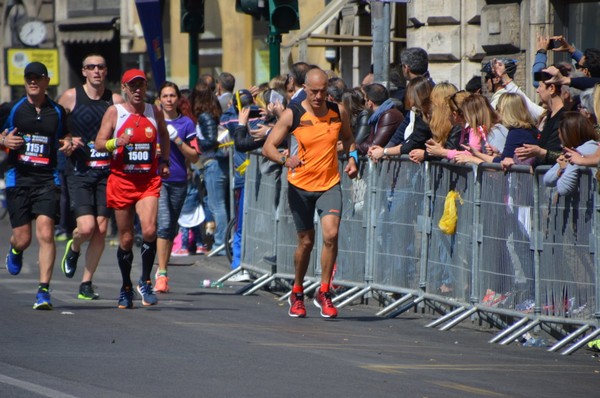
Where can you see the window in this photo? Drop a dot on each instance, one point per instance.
(89, 8)
(576, 20)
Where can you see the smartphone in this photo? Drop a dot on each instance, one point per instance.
(254, 113)
(553, 43)
(541, 76)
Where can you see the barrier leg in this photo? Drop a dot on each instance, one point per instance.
(511, 329)
(213, 252)
(519, 332)
(345, 294)
(354, 297)
(260, 282)
(446, 317)
(581, 343)
(395, 304)
(406, 307)
(569, 338)
(461, 318)
(229, 275)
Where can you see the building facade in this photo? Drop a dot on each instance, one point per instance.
(335, 34)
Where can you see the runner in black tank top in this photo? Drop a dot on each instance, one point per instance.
(84, 121)
(87, 170)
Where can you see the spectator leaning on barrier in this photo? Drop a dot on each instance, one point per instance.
(384, 119)
(416, 132)
(521, 130)
(354, 103)
(444, 129)
(549, 147)
(479, 119)
(214, 158)
(244, 113)
(575, 131)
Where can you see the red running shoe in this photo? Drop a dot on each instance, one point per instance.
(297, 309)
(323, 302)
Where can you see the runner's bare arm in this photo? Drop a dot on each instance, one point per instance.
(67, 100)
(279, 132)
(106, 130)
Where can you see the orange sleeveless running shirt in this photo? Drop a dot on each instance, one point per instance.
(317, 138)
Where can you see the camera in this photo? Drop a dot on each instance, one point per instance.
(553, 43)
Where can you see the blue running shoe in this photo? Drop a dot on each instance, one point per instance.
(14, 261)
(126, 297)
(42, 300)
(147, 293)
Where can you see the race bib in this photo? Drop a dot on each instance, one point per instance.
(97, 160)
(138, 157)
(36, 150)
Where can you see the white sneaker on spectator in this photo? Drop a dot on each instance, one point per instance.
(242, 276)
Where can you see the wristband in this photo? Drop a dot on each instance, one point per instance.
(354, 154)
(165, 161)
(111, 144)
(542, 51)
(2, 142)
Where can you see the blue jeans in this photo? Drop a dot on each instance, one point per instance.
(237, 236)
(215, 178)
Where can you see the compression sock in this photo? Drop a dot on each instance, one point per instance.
(125, 260)
(148, 256)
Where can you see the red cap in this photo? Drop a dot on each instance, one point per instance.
(131, 74)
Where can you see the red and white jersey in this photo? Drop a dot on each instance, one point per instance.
(139, 156)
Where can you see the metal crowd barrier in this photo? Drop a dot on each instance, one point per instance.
(522, 257)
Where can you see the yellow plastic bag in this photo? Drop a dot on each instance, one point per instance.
(450, 217)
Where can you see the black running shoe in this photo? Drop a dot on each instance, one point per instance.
(69, 261)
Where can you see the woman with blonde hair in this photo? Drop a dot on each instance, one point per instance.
(521, 130)
(445, 127)
(479, 119)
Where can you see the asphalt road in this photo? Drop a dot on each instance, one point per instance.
(200, 342)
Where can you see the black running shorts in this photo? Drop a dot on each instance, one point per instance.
(26, 203)
(304, 203)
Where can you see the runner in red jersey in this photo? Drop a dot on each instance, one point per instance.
(130, 132)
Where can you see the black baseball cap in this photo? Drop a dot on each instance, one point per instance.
(36, 68)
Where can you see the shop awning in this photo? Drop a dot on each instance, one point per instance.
(88, 29)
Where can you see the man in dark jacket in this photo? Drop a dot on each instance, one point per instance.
(385, 117)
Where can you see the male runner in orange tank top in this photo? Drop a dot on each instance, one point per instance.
(314, 181)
